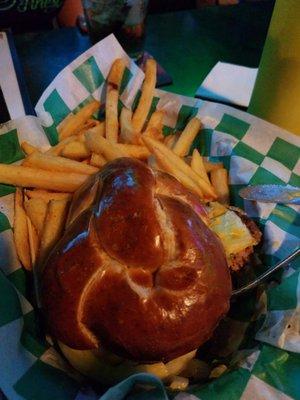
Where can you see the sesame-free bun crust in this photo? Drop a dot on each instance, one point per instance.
(137, 269)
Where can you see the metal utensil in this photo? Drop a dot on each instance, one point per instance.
(266, 274)
(285, 194)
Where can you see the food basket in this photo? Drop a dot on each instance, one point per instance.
(259, 356)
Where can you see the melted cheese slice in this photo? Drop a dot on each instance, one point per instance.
(234, 234)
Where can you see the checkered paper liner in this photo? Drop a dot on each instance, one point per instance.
(254, 151)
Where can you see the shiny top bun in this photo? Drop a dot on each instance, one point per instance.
(137, 270)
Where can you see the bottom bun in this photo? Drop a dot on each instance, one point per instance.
(109, 369)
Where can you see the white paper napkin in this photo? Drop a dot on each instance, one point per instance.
(228, 83)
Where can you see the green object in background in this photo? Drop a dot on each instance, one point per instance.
(188, 44)
(277, 89)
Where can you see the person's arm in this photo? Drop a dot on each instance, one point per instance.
(69, 12)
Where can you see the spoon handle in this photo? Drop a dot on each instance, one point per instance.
(266, 274)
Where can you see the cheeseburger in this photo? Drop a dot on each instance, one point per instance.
(141, 277)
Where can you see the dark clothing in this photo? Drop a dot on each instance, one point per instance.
(28, 15)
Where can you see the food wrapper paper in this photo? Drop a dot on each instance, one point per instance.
(265, 337)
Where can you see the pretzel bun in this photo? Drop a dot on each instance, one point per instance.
(137, 271)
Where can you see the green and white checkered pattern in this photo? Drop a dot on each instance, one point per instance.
(267, 363)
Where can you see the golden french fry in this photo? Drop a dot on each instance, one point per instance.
(57, 149)
(47, 196)
(219, 180)
(152, 162)
(36, 210)
(99, 129)
(154, 133)
(218, 371)
(75, 150)
(81, 136)
(100, 145)
(69, 117)
(116, 72)
(170, 140)
(197, 165)
(21, 231)
(97, 160)
(90, 124)
(183, 144)
(134, 150)
(64, 122)
(179, 383)
(28, 148)
(177, 161)
(143, 108)
(33, 241)
(75, 122)
(57, 163)
(167, 165)
(54, 226)
(210, 166)
(127, 134)
(156, 121)
(111, 115)
(39, 178)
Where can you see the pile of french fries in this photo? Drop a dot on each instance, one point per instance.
(46, 180)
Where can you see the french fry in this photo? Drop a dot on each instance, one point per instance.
(170, 140)
(47, 196)
(152, 162)
(114, 80)
(197, 165)
(210, 166)
(100, 145)
(177, 161)
(154, 133)
(36, 210)
(167, 165)
(111, 115)
(219, 180)
(57, 149)
(90, 123)
(54, 226)
(183, 144)
(75, 150)
(64, 122)
(28, 148)
(216, 209)
(134, 150)
(116, 72)
(143, 108)
(156, 122)
(97, 160)
(99, 129)
(39, 178)
(21, 231)
(127, 133)
(81, 136)
(33, 241)
(57, 163)
(77, 120)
